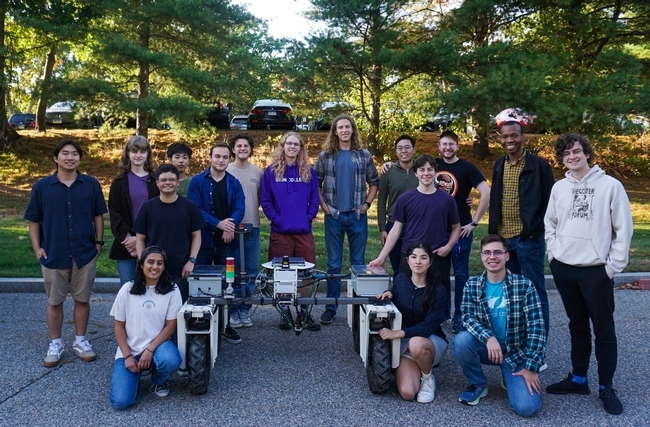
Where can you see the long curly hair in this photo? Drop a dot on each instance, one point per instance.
(164, 285)
(429, 297)
(279, 163)
(137, 142)
(331, 144)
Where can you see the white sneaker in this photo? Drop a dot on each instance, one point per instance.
(427, 390)
(543, 367)
(85, 351)
(234, 321)
(54, 353)
(245, 320)
(160, 390)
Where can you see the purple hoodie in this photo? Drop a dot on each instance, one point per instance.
(290, 204)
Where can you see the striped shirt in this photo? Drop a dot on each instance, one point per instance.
(510, 224)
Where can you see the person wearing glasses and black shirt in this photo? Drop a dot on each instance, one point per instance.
(504, 326)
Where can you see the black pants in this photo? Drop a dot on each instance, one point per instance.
(588, 293)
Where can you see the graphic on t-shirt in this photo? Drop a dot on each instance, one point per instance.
(149, 304)
(498, 302)
(582, 203)
(447, 182)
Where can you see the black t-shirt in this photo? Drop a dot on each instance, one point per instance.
(170, 226)
(458, 179)
(220, 206)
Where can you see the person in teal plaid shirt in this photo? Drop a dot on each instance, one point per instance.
(502, 315)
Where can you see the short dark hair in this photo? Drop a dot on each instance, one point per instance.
(565, 142)
(409, 137)
(243, 135)
(178, 148)
(65, 142)
(218, 145)
(495, 238)
(512, 123)
(449, 134)
(423, 160)
(166, 168)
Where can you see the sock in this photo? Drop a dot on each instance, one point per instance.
(426, 376)
(58, 341)
(79, 338)
(579, 380)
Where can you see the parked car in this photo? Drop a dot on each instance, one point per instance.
(60, 114)
(239, 123)
(271, 114)
(442, 120)
(22, 120)
(219, 116)
(528, 121)
(329, 110)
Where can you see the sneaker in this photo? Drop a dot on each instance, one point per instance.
(610, 400)
(53, 356)
(231, 335)
(235, 321)
(160, 390)
(85, 351)
(311, 322)
(427, 391)
(328, 317)
(145, 372)
(245, 320)
(457, 328)
(472, 395)
(503, 384)
(543, 367)
(568, 386)
(182, 372)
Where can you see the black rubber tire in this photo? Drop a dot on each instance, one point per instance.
(378, 368)
(356, 335)
(198, 363)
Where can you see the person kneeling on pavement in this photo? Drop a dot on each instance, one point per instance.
(502, 315)
(145, 318)
(421, 299)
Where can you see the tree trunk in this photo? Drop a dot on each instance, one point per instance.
(480, 143)
(375, 82)
(46, 85)
(142, 122)
(7, 134)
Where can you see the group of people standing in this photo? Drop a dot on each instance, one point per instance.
(164, 223)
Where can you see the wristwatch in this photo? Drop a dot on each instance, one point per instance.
(192, 260)
(99, 242)
(473, 223)
(367, 204)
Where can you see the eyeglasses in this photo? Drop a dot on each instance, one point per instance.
(292, 144)
(164, 180)
(496, 252)
(404, 148)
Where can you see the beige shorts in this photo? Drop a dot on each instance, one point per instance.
(80, 279)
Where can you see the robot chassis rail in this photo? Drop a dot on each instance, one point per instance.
(205, 314)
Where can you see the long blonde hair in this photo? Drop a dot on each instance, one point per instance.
(331, 144)
(279, 163)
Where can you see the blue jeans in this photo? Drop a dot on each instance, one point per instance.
(124, 383)
(471, 354)
(460, 261)
(126, 269)
(395, 255)
(217, 255)
(527, 259)
(252, 262)
(335, 230)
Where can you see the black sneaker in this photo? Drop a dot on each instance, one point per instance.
(284, 325)
(457, 328)
(231, 335)
(610, 400)
(328, 317)
(311, 322)
(568, 386)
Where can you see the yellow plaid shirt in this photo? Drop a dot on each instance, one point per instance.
(510, 224)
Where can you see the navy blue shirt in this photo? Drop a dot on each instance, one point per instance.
(416, 320)
(66, 216)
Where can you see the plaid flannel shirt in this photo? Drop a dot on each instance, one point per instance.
(366, 173)
(525, 334)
